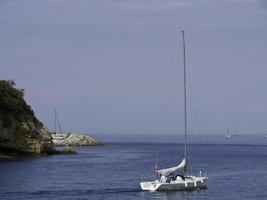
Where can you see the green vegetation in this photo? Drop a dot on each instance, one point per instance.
(20, 131)
(13, 108)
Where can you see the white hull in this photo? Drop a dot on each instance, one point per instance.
(190, 183)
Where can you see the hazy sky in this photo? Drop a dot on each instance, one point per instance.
(114, 66)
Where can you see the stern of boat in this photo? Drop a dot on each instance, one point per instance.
(202, 183)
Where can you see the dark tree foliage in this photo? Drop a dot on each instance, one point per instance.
(13, 107)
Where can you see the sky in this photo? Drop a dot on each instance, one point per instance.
(115, 66)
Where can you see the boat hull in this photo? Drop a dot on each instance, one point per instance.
(187, 184)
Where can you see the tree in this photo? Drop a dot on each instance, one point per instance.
(13, 107)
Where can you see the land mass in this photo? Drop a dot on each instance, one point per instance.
(21, 133)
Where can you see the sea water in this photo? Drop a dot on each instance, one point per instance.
(236, 167)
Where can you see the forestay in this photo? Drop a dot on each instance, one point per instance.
(168, 171)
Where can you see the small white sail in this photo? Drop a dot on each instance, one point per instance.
(168, 171)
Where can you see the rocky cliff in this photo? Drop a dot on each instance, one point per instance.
(21, 133)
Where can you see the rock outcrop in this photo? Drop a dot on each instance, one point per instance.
(74, 139)
(21, 133)
(68, 150)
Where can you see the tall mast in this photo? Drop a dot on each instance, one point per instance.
(185, 103)
(55, 121)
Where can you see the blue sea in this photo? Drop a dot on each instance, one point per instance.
(236, 167)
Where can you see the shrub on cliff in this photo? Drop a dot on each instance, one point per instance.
(13, 108)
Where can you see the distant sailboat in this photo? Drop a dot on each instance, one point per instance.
(177, 178)
(58, 134)
(228, 134)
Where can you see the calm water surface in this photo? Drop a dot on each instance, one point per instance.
(236, 171)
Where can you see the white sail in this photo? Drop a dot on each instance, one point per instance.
(167, 171)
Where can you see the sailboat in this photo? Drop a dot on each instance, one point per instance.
(177, 178)
(60, 135)
(228, 134)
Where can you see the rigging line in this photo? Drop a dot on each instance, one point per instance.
(166, 107)
(193, 112)
(185, 79)
(57, 122)
(189, 115)
(59, 126)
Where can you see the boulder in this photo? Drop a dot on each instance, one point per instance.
(68, 150)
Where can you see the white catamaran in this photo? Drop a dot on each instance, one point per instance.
(177, 178)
